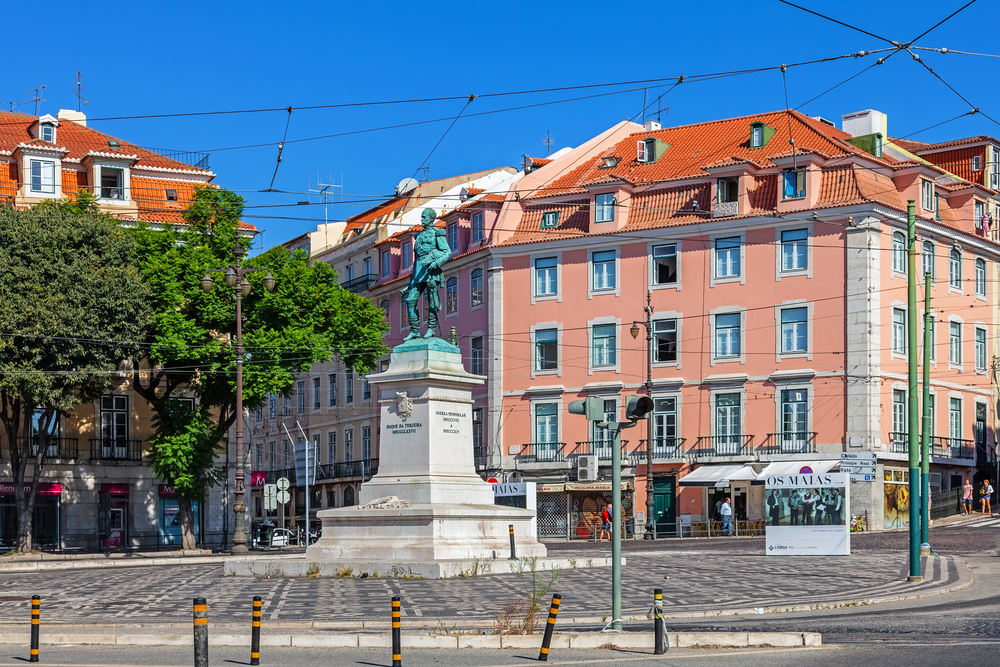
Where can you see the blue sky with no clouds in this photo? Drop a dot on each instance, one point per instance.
(177, 57)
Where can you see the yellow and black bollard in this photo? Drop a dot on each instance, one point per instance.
(513, 554)
(397, 656)
(543, 655)
(659, 636)
(255, 633)
(36, 620)
(200, 633)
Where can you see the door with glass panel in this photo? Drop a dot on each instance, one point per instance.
(547, 432)
(728, 429)
(114, 427)
(665, 428)
(794, 438)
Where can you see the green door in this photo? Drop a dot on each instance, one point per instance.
(664, 508)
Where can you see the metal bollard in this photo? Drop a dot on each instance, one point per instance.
(659, 646)
(200, 633)
(513, 553)
(543, 655)
(36, 612)
(397, 657)
(255, 633)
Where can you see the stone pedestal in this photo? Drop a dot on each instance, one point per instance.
(425, 458)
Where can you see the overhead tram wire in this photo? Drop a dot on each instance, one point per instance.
(937, 76)
(427, 159)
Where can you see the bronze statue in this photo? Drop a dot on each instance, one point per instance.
(430, 251)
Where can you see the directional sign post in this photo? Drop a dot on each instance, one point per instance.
(283, 496)
(270, 497)
(859, 465)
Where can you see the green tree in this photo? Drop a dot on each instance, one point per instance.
(74, 307)
(306, 320)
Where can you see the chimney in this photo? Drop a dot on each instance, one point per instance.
(75, 116)
(652, 125)
(869, 121)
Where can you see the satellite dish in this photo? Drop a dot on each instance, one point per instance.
(407, 185)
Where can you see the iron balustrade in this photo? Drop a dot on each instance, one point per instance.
(361, 283)
(663, 448)
(790, 442)
(193, 158)
(108, 450)
(953, 448)
(58, 448)
(542, 452)
(722, 445)
(346, 469)
(272, 476)
(899, 443)
(599, 448)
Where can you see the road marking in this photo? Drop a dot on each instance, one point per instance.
(984, 524)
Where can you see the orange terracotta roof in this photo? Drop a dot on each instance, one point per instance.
(947, 144)
(574, 218)
(409, 230)
(386, 208)
(667, 206)
(474, 191)
(852, 184)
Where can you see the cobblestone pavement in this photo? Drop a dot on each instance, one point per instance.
(698, 580)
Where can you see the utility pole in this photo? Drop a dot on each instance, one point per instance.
(650, 533)
(913, 399)
(925, 438)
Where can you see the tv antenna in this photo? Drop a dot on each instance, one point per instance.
(426, 169)
(12, 105)
(548, 141)
(326, 191)
(81, 86)
(37, 98)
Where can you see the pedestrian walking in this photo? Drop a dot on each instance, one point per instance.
(727, 517)
(605, 524)
(986, 493)
(774, 506)
(967, 498)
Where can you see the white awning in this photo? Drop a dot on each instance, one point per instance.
(796, 467)
(711, 475)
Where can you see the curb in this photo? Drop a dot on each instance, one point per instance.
(131, 561)
(448, 641)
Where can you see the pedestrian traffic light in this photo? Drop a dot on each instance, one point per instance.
(592, 407)
(638, 407)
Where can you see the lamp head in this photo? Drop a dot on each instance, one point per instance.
(634, 330)
(245, 287)
(269, 282)
(207, 283)
(231, 277)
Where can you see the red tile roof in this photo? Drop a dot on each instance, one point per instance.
(852, 184)
(574, 218)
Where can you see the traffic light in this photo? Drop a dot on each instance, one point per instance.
(638, 407)
(592, 407)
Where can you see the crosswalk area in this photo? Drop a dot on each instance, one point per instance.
(980, 521)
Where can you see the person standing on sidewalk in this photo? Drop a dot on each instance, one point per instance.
(985, 495)
(967, 498)
(727, 517)
(605, 524)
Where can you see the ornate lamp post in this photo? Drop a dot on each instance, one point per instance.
(235, 276)
(650, 533)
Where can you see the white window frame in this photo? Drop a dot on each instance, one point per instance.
(477, 335)
(317, 397)
(331, 447)
(980, 293)
(899, 253)
(474, 305)
(952, 269)
(598, 321)
(796, 384)
(42, 190)
(977, 163)
(980, 369)
(805, 184)
(386, 259)
(713, 394)
(927, 194)
(960, 365)
(742, 277)
(955, 396)
(779, 270)
(51, 128)
(546, 400)
(557, 295)
(667, 315)
(406, 256)
(653, 285)
(756, 135)
(678, 399)
(543, 326)
(452, 230)
(603, 203)
(591, 292)
(788, 305)
(895, 336)
(728, 310)
(478, 227)
(449, 313)
(924, 261)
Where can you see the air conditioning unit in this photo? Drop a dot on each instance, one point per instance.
(586, 468)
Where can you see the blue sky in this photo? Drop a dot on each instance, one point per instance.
(177, 57)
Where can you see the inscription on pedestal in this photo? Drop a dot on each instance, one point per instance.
(450, 418)
(404, 428)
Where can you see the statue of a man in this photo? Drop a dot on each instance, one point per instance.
(430, 251)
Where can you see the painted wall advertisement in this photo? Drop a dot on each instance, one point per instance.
(807, 515)
(897, 499)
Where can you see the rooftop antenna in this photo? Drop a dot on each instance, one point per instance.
(548, 141)
(426, 169)
(12, 105)
(81, 86)
(326, 191)
(37, 98)
(660, 109)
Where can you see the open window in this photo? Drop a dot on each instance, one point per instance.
(112, 183)
(793, 184)
(665, 264)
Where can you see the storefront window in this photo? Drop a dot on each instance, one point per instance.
(170, 526)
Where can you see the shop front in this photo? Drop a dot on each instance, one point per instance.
(112, 515)
(45, 526)
(572, 510)
(170, 527)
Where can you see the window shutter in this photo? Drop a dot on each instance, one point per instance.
(640, 151)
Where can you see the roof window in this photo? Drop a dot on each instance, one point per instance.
(550, 219)
(171, 195)
(760, 134)
(115, 144)
(48, 132)
(649, 150)
(609, 162)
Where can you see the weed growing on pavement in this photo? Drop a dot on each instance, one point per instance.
(313, 571)
(512, 618)
(572, 563)
(345, 572)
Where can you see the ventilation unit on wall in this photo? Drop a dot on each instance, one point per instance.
(586, 468)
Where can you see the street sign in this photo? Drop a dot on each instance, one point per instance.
(282, 483)
(492, 480)
(284, 496)
(858, 457)
(270, 497)
(305, 463)
(862, 478)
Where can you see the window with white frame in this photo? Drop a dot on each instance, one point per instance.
(43, 176)
(546, 430)
(258, 458)
(272, 456)
(933, 339)
(665, 341)
(977, 162)
(899, 424)
(756, 135)
(477, 227)
(386, 262)
(980, 349)
(727, 190)
(665, 427)
(476, 287)
(794, 421)
(603, 345)
(602, 437)
(286, 459)
(955, 343)
(665, 264)
(48, 132)
(348, 444)
(928, 257)
(366, 443)
(546, 349)
(476, 355)
(793, 184)
(331, 388)
(927, 195)
(898, 252)
(794, 250)
(931, 412)
(898, 331)
(546, 276)
(300, 396)
(979, 213)
(980, 277)
(317, 398)
(794, 330)
(451, 295)
(728, 424)
(406, 255)
(727, 257)
(955, 269)
(550, 219)
(604, 208)
(603, 271)
(727, 335)
(349, 386)
(112, 183)
(955, 419)
(331, 447)
(453, 236)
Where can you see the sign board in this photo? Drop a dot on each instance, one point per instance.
(270, 497)
(868, 458)
(862, 477)
(514, 489)
(282, 484)
(284, 497)
(807, 515)
(305, 463)
(258, 478)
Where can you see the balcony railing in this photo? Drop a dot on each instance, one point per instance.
(346, 469)
(790, 442)
(115, 451)
(663, 448)
(722, 445)
(542, 452)
(725, 208)
(361, 283)
(193, 158)
(59, 448)
(898, 443)
(600, 448)
(272, 476)
(940, 446)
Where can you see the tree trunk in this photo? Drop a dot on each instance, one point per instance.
(186, 519)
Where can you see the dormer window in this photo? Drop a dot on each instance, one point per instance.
(43, 176)
(756, 136)
(406, 255)
(878, 145)
(48, 133)
(550, 219)
(645, 150)
(977, 162)
(111, 183)
(171, 194)
(793, 184)
(609, 162)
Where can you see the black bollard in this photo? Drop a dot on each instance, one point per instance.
(659, 646)
(543, 655)
(513, 553)
(200, 633)
(397, 657)
(255, 633)
(36, 620)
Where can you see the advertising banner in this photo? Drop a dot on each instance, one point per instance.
(897, 499)
(807, 515)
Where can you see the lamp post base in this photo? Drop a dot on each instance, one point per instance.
(239, 550)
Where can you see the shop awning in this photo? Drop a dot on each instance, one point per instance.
(597, 486)
(797, 468)
(712, 475)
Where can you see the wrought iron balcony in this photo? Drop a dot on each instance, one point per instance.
(940, 446)
(67, 449)
(898, 443)
(600, 448)
(663, 448)
(361, 283)
(272, 476)
(348, 469)
(789, 442)
(722, 445)
(542, 452)
(193, 158)
(107, 450)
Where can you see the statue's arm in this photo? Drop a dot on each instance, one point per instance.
(441, 244)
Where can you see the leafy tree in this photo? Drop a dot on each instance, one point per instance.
(306, 320)
(74, 305)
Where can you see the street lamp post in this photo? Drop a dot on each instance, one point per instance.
(650, 533)
(235, 276)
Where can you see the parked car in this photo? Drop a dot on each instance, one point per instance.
(282, 537)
